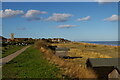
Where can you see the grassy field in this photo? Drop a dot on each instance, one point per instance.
(68, 68)
(87, 50)
(10, 49)
(30, 64)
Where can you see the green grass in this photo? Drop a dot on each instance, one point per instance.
(10, 49)
(30, 64)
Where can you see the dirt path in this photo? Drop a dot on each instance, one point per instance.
(11, 56)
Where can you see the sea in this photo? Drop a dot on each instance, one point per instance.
(113, 43)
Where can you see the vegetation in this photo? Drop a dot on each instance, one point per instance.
(87, 50)
(70, 69)
(41, 44)
(9, 49)
(17, 43)
(30, 64)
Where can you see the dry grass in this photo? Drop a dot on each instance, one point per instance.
(88, 50)
(39, 44)
(77, 52)
(70, 69)
(76, 68)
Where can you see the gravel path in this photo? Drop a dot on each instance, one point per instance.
(11, 56)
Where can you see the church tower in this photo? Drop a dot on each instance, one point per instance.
(12, 36)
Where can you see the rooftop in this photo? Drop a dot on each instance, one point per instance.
(62, 49)
(105, 62)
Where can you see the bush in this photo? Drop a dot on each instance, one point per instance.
(41, 44)
(4, 44)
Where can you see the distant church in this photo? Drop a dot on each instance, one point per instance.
(12, 36)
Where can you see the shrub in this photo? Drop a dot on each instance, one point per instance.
(41, 44)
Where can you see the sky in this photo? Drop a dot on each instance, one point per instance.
(59, 0)
(76, 21)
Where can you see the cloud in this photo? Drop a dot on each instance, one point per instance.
(104, 1)
(66, 26)
(84, 19)
(10, 13)
(112, 18)
(33, 15)
(21, 28)
(34, 18)
(59, 17)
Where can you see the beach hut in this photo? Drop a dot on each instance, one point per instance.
(106, 68)
(61, 51)
(52, 47)
(115, 74)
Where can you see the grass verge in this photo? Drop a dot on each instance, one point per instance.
(30, 64)
(10, 49)
(70, 69)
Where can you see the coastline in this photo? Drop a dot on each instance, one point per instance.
(104, 43)
(85, 49)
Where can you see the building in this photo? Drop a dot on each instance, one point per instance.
(21, 39)
(2, 39)
(114, 75)
(106, 68)
(12, 36)
(59, 40)
(18, 39)
(8, 40)
(61, 52)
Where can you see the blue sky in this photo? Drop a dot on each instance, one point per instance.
(80, 21)
(60, 0)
